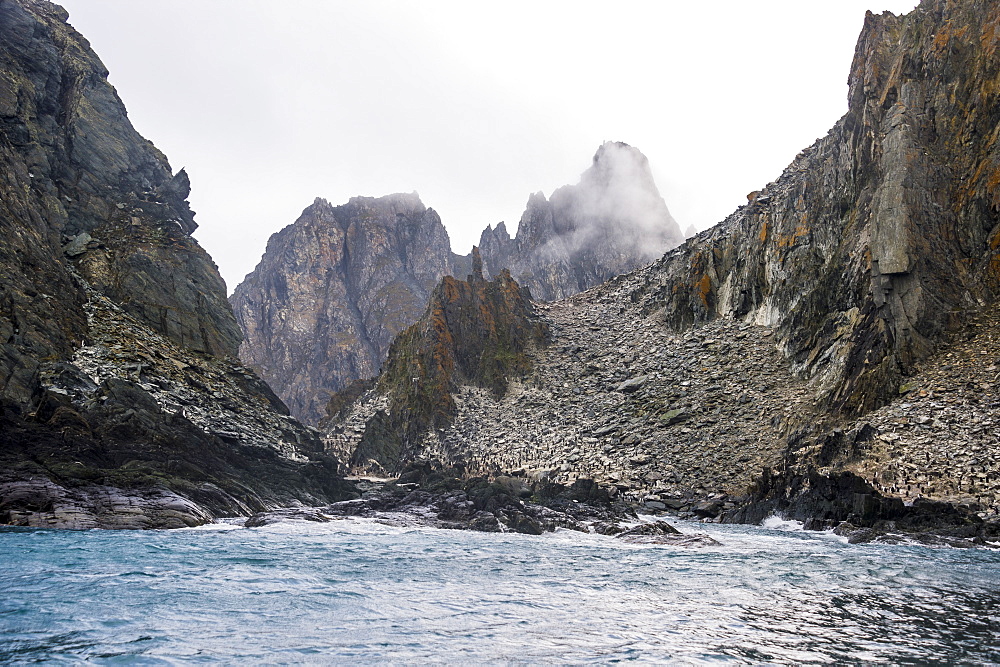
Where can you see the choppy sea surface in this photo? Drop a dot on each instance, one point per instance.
(357, 591)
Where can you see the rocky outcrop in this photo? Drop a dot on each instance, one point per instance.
(613, 221)
(333, 290)
(854, 509)
(881, 236)
(427, 494)
(473, 333)
(335, 287)
(843, 321)
(118, 381)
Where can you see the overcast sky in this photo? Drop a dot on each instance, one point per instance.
(474, 105)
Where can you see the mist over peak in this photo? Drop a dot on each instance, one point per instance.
(612, 221)
(617, 200)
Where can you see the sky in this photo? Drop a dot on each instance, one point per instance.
(473, 105)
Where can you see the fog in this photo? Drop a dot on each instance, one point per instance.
(617, 199)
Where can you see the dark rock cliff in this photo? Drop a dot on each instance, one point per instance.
(613, 221)
(332, 291)
(473, 332)
(882, 235)
(106, 304)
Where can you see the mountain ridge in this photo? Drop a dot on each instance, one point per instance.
(310, 306)
(121, 402)
(872, 251)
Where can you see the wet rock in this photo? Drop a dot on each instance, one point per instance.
(607, 528)
(444, 497)
(656, 528)
(663, 533)
(707, 509)
(42, 503)
(283, 515)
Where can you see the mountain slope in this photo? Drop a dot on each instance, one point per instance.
(116, 372)
(767, 341)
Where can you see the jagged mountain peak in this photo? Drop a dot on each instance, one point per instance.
(612, 221)
(616, 162)
(333, 288)
(321, 308)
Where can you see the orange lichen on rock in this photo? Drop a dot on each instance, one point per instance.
(704, 289)
(944, 36)
(990, 34)
(789, 240)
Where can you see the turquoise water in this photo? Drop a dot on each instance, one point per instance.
(359, 592)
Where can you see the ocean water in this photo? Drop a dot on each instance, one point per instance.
(353, 591)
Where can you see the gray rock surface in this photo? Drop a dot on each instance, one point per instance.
(716, 406)
(333, 290)
(121, 403)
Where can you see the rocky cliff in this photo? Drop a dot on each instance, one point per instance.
(880, 237)
(842, 323)
(122, 402)
(613, 221)
(333, 290)
(335, 287)
(473, 333)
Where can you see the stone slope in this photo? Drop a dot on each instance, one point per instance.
(333, 289)
(473, 333)
(613, 221)
(781, 338)
(97, 258)
(624, 400)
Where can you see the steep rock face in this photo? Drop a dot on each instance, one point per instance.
(866, 276)
(97, 261)
(79, 177)
(880, 236)
(473, 332)
(614, 220)
(332, 291)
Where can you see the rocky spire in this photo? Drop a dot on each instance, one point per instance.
(612, 221)
(334, 288)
